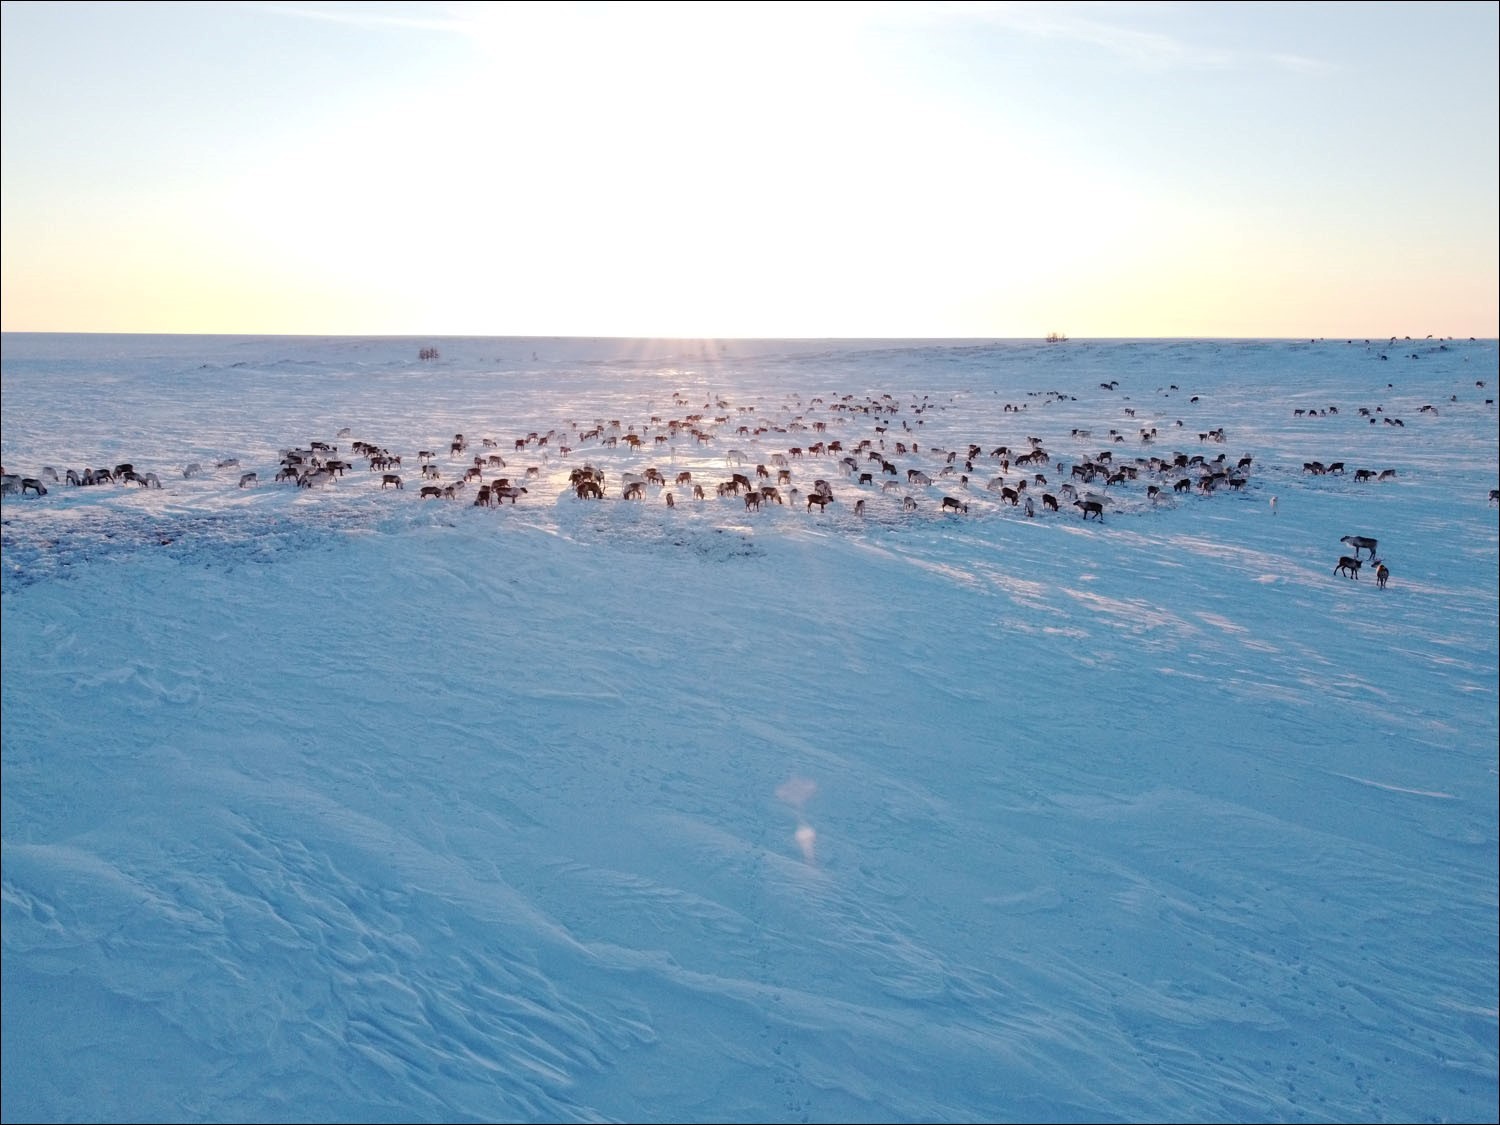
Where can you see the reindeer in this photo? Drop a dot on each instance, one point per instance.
(952, 504)
(247, 479)
(1382, 574)
(390, 480)
(821, 499)
(1090, 508)
(1360, 542)
(1348, 566)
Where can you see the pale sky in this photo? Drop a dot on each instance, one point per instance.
(728, 170)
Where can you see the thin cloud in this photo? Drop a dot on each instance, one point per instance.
(1153, 50)
(360, 17)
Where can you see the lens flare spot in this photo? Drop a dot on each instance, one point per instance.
(807, 840)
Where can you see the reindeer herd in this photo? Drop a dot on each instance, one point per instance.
(873, 466)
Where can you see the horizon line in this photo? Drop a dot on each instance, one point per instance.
(612, 336)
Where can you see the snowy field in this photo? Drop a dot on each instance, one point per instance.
(336, 803)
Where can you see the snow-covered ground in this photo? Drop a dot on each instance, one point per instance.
(339, 803)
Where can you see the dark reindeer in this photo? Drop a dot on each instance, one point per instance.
(1090, 508)
(1360, 542)
(1348, 566)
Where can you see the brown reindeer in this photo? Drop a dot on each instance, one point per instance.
(1090, 508)
(821, 499)
(1348, 566)
(949, 503)
(389, 480)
